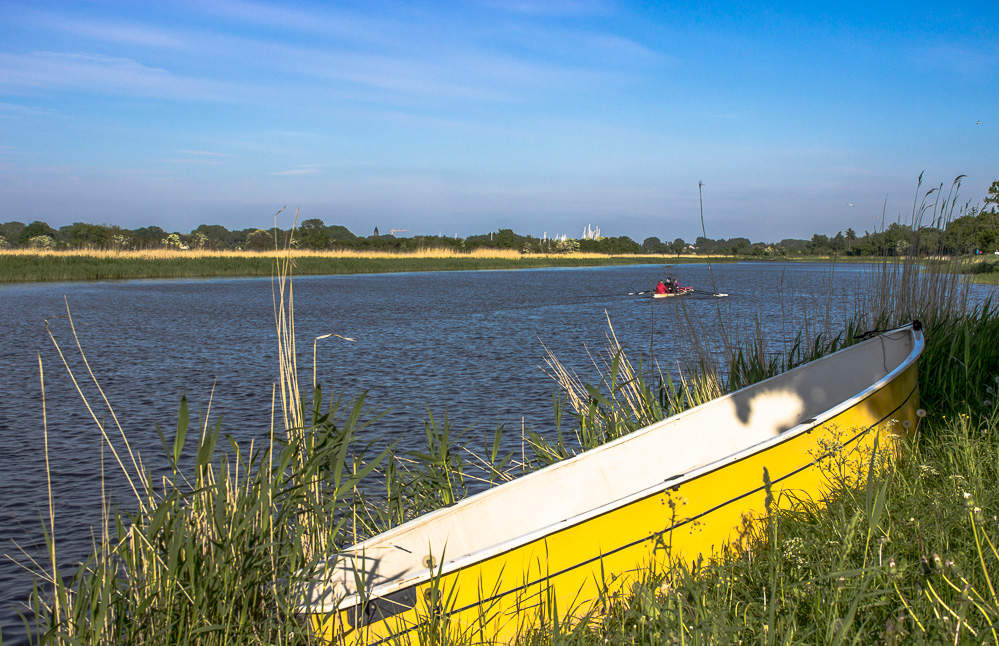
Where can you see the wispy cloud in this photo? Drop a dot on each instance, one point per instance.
(110, 31)
(13, 110)
(193, 162)
(206, 153)
(302, 169)
(343, 25)
(550, 7)
(959, 59)
(98, 74)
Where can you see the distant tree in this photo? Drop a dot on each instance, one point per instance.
(851, 237)
(196, 240)
(379, 243)
(10, 231)
(80, 234)
(678, 246)
(897, 239)
(35, 229)
(819, 245)
(147, 237)
(260, 240)
(341, 234)
(219, 237)
(793, 245)
(961, 236)
(565, 245)
(173, 241)
(930, 241)
(609, 245)
(653, 244)
(314, 234)
(41, 242)
(992, 197)
(739, 246)
(479, 240)
(507, 239)
(705, 246)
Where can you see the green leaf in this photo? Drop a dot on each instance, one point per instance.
(597, 396)
(182, 425)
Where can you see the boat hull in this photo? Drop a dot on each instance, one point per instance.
(683, 291)
(571, 566)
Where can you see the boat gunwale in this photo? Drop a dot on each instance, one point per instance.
(449, 566)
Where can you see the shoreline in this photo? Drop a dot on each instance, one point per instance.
(61, 266)
(81, 265)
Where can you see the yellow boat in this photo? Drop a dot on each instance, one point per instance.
(562, 538)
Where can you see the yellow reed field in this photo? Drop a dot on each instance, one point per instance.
(169, 254)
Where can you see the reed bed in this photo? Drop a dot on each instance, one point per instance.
(207, 552)
(26, 266)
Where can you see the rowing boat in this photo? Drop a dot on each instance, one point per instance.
(680, 292)
(562, 538)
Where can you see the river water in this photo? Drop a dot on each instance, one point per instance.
(466, 343)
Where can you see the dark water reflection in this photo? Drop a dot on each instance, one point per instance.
(468, 343)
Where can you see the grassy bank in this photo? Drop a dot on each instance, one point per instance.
(983, 270)
(22, 266)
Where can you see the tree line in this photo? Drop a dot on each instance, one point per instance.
(976, 231)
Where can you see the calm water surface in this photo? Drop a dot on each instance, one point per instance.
(465, 343)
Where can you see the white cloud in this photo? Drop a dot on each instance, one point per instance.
(303, 169)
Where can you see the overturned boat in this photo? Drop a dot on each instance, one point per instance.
(561, 539)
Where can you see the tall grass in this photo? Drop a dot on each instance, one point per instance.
(207, 553)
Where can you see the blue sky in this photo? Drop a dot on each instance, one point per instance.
(467, 117)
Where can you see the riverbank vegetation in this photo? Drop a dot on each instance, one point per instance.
(958, 231)
(27, 265)
(907, 555)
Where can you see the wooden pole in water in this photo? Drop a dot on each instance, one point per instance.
(700, 199)
(652, 328)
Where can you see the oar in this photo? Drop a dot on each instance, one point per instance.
(698, 291)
